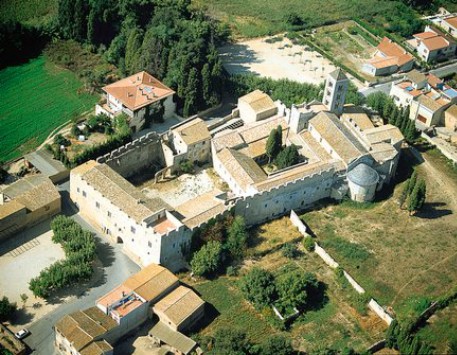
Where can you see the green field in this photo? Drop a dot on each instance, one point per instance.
(33, 12)
(36, 98)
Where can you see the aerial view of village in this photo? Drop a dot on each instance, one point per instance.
(228, 177)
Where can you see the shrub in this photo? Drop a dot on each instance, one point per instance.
(237, 237)
(186, 167)
(258, 287)
(308, 243)
(231, 271)
(289, 251)
(61, 140)
(277, 345)
(287, 157)
(295, 288)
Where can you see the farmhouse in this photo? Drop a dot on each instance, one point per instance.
(449, 23)
(153, 291)
(389, 58)
(432, 45)
(140, 97)
(26, 203)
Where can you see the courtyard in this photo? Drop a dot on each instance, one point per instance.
(277, 58)
(22, 259)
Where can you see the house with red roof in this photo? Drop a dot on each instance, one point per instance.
(432, 45)
(139, 96)
(389, 58)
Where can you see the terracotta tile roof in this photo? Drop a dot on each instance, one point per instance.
(393, 55)
(415, 76)
(425, 35)
(411, 91)
(338, 137)
(242, 168)
(429, 102)
(175, 339)
(193, 131)
(178, 305)
(120, 192)
(452, 21)
(361, 119)
(81, 327)
(33, 192)
(435, 43)
(315, 147)
(382, 152)
(10, 207)
(228, 139)
(138, 90)
(114, 296)
(386, 133)
(433, 80)
(151, 282)
(259, 101)
(99, 347)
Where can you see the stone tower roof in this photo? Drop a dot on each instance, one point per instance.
(363, 175)
(338, 74)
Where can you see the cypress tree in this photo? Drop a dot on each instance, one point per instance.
(404, 193)
(417, 197)
(387, 110)
(392, 334)
(273, 146)
(412, 182)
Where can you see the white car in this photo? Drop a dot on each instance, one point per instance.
(22, 333)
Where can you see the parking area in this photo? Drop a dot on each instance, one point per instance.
(21, 259)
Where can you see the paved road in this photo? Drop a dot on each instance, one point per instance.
(385, 88)
(445, 71)
(117, 268)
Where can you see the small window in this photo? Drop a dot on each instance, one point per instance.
(133, 240)
(97, 204)
(77, 189)
(174, 245)
(149, 244)
(84, 194)
(266, 205)
(133, 230)
(109, 214)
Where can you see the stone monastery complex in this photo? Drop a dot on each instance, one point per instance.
(342, 153)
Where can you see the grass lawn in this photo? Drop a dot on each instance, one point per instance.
(400, 260)
(257, 18)
(36, 97)
(33, 12)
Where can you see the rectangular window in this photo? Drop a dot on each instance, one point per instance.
(84, 194)
(97, 204)
(109, 214)
(149, 244)
(77, 189)
(132, 229)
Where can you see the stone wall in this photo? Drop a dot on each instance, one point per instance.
(376, 307)
(135, 156)
(297, 222)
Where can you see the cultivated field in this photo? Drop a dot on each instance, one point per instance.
(335, 322)
(348, 44)
(36, 98)
(401, 261)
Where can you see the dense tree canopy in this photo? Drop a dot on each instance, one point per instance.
(208, 259)
(164, 37)
(258, 287)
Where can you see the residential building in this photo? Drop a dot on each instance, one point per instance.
(449, 24)
(27, 202)
(180, 309)
(389, 58)
(409, 88)
(450, 118)
(428, 109)
(153, 292)
(335, 90)
(139, 96)
(433, 45)
(85, 332)
(256, 106)
(147, 228)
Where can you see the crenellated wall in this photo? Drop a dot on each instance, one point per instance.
(136, 155)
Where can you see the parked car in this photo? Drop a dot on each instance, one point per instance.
(22, 333)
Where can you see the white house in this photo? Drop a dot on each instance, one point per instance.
(432, 45)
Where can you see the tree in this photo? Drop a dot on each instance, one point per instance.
(237, 237)
(274, 144)
(392, 335)
(288, 157)
(207, 260)
(417, 198)
(3, 173)
(6, 309)
(404, 194)
(294, 289)
(258, 287)
(412, 182)
(308, 243)
(191, 91)
(277, 345)
(230, 341)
